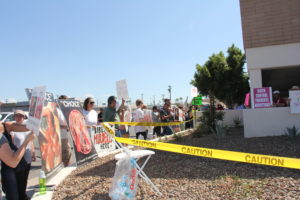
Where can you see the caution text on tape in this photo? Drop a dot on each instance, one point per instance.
(213, 153)
(218, 154)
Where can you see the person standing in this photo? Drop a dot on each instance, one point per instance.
(181, 117)
(278, 101)
(89, 113)
(18, 139)
(189, 116)
(156, 118)
(14, 165)
(111, 113)
(166, 116)
(138, 116)
(123, 128)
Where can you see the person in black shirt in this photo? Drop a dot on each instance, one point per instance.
(166, 116)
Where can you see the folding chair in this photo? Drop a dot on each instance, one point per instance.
(137, 155)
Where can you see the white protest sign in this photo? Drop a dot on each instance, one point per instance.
(36, 108)
(295, 101)
(122, 90)
(194, 92)
(101, 140)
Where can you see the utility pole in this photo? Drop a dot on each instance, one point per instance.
(142, 95)
(153, 99)
(170, 91)
(163, 97)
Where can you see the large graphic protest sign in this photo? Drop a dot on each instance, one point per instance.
(83, 145)
(36, 108)
(50, 136)
(102, 141)
(295, 101)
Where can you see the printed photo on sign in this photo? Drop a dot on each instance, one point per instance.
(50, 137)
(101, 140)
(36, 108)
(84, 148)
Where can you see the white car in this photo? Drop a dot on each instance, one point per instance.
(6, 116)
(9, 116)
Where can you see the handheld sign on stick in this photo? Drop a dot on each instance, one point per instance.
(36, 108)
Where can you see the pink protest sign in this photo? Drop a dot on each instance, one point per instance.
(262, 97)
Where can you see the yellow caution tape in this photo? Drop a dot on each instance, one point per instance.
(150, 123)
(218, 154)
(214, 153)
(108, 128)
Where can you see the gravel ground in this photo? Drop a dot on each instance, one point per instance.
(190, 177)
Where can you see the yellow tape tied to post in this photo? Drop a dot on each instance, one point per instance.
(214, 153)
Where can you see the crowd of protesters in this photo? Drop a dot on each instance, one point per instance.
(167, 113)
(17, 150)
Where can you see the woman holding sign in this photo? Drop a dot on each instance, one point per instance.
(13, 162)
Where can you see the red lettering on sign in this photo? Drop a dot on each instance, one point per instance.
(102, 138)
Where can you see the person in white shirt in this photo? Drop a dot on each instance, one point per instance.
(138, 116)
(90, 115)
(18, 139)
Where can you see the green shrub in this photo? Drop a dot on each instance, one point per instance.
(292, 133)
(201, 131)
(210, 118)
(220, 132)
(237, 122)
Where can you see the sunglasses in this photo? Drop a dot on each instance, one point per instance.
(92, 102)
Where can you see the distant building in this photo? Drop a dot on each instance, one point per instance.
(11, 107)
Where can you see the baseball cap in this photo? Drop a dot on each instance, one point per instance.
(276, 92)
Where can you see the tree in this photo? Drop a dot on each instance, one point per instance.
(230, 83)
(222, 78)
(209, 79)
(237, 82)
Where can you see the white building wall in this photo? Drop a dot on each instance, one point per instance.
(255, 78)
(268, 121)
(273, 56)
(229, 116)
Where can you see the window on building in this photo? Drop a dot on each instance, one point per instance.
(281, 79)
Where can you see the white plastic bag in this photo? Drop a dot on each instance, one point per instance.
(124, 184)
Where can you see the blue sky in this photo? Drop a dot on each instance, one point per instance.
(77, 47)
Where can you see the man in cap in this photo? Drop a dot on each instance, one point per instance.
(277, 100)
